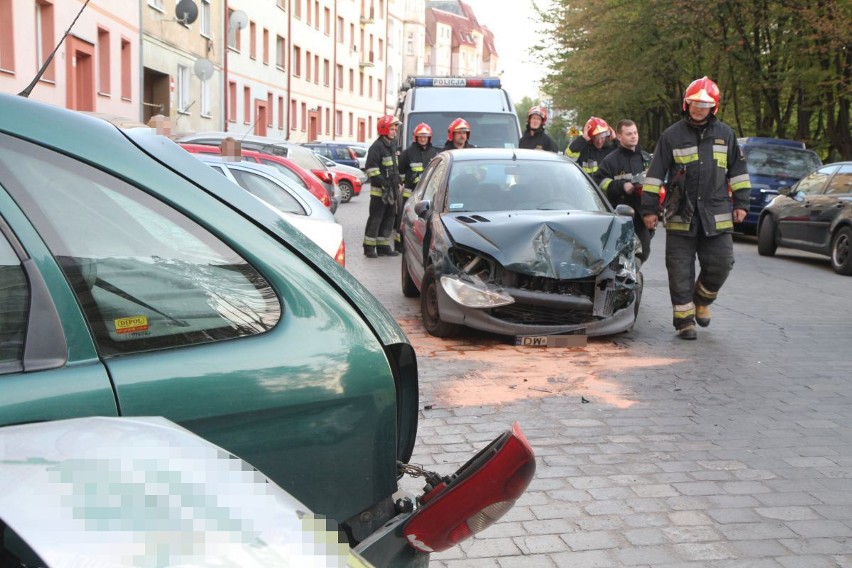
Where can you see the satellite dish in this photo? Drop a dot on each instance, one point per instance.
(203, 69)
(237, 20)
(186, 12)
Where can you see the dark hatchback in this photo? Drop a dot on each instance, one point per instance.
(336, 151)
(815, 215)
(519, 243)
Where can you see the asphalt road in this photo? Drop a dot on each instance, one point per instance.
(732, 450)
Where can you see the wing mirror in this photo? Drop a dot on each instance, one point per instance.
(422, 207)
(625, 210)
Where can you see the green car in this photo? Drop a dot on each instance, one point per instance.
(137, 281)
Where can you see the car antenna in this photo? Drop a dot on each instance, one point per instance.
(26, 92)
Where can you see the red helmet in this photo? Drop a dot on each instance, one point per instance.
(458, 125)
(383, 125)
(422, 129)
(703, 93)
(595, 126)
(539, 111)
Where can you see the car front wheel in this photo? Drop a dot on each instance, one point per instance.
(345, 191)
(766, 245)
(841, 255)
(429, 308)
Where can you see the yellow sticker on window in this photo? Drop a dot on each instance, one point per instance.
(131, 324)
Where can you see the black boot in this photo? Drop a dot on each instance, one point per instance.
(385, 250)
(370, 252)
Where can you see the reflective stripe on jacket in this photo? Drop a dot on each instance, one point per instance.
(382, 167)
(412, 162)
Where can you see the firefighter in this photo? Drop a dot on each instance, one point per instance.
(383, 173)
(535, 138)
(592, 146)
(620, 175)
(411, 165)
(699, 159)
(458, 135)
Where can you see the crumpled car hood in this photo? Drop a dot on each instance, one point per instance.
(553, 244)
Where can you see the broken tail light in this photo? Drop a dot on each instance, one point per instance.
(340, 257)
(325, 176)
(456, 507)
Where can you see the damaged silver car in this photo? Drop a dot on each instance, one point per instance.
(519, 243)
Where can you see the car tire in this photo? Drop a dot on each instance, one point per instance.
(346, 192)
(429, 308)
(409, 290)
(766, 243)
(841, 251)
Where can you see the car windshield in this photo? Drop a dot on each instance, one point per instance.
(504, 185)
(487, 130)
(305, 158)
(780, 161)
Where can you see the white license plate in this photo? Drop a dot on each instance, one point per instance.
(551, 340)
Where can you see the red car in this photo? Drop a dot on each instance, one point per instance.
(286, 166)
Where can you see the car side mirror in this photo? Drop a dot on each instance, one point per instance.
(422, 208)
(625, 210)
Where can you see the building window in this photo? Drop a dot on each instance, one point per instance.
(205, 18)
(297, 12)
(381, 50)
(327, 121)
(316, 14)
(269, 110)
(280, 52)
(45, 40)
(351, 80)
(103, 62)
(338, 123)
(297, 61)
(280, 113)
(233, 34)
(326, 22)
(252, 40)
(340, 28)
(326, 70)
(183, 75)
(126, 69)
(265, 46)
(379, 93)
(316, 69)
(370, 87)
(246, 105)
(307, 66)
(351, 123)
(292, 114)
(338, 76)
(7, 40)
(361, 84)
(158, 4)
(232, 101)
(205, 98)
(308, 12)
(304, 117)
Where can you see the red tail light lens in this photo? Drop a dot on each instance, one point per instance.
(324, 175)
(340, 257)
(474, 497)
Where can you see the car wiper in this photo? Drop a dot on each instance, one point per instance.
(101, 283)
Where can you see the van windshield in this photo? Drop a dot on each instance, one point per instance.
(487, 130)
(780, 161)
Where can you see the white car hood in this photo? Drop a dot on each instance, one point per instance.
(328, 235)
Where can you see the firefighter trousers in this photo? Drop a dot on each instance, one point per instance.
(380, 222)
(715, 258)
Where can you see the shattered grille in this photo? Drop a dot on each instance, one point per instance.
(580, 287)
(541, 315)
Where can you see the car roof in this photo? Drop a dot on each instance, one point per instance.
(180, 497)
(473, 154)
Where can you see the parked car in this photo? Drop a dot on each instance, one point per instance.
(289, 168)
(339, 152)
(301, 156)
(295, 205)
(360, 149)
(137, 281)
(815, 215)
(350, 180)
(773, 164)
(145, 492)
(518, 242)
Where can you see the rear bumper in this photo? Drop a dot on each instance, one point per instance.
(388, 547)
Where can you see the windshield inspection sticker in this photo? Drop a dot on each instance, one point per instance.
(132, 324)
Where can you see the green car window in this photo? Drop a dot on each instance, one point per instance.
(146, 276)
(14, 301)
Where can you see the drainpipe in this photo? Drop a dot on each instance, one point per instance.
(289, 64)
(385, 59)
(224, 35)
(334, 73)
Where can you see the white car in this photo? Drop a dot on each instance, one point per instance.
(295, 204)
(359, 174)
(107, 491)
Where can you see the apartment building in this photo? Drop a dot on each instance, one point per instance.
(96, 68)
(456, 43)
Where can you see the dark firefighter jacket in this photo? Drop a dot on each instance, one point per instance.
(618, 168)
(537, 139)
(412, 162)
(712, 161)
(585, 153)
(449, 145)
(383, 169)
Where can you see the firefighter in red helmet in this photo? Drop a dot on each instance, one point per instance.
(535, 137)
(458, 135)
(698, 158)
(593, 145)
(383, 172)
(412, 162)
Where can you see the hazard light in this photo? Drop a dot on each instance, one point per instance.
(481, 82)
(456, 507)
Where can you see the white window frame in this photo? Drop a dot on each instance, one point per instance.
(206, 19)
(157, 5)
(205, 98)
(182, 88)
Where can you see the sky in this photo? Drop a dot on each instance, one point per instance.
(514, 33)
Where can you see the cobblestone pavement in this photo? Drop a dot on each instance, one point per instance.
(733, 450)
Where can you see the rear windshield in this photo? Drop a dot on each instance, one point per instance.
(780, 162)
(487, 130)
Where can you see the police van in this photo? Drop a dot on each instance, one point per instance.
(437, 101)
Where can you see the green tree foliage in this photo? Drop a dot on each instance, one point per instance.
(784, 66)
